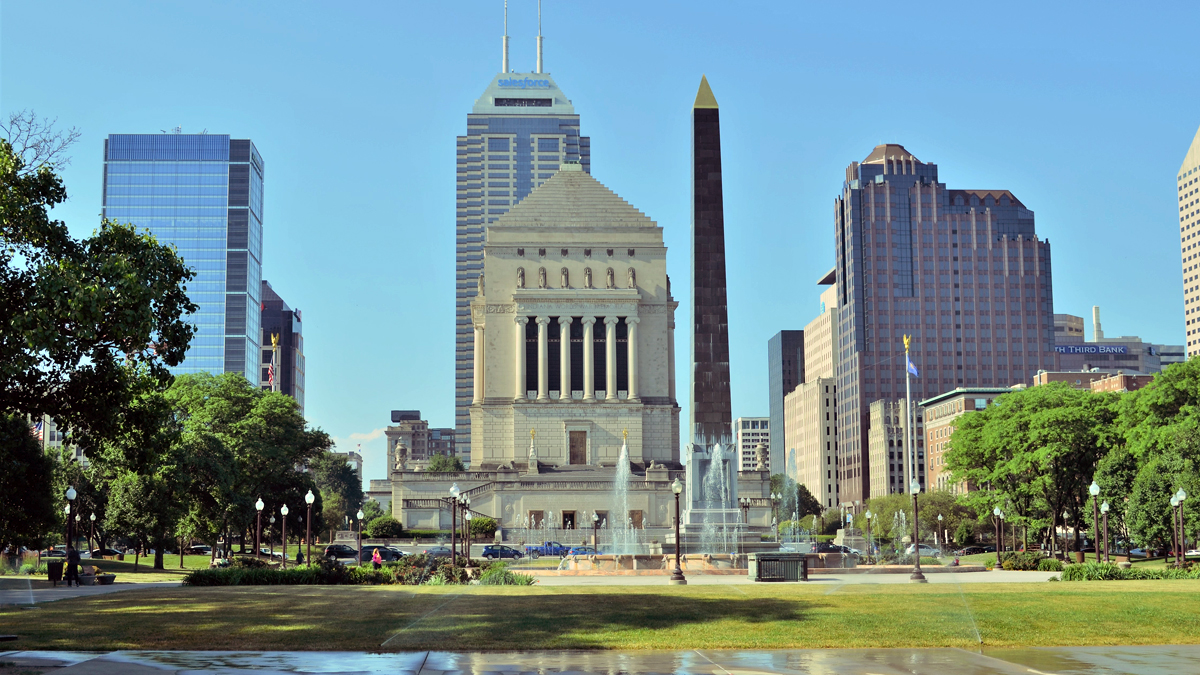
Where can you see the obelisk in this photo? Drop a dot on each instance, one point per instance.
(711, 407)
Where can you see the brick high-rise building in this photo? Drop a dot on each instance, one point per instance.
(962, 271)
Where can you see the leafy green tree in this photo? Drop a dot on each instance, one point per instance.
(482, 526)
(341, 490)
(27, 504)
(77, 312)
(808, 504)
(385, 527)
(372, 510)
(444, 464)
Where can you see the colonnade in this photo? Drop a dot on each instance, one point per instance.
(564, 359)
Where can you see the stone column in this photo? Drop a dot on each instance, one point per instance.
(519, 379)
(589, 359)
(564, 358)
(543, 389)
(477, 392)
(631, 323)
(610, 358)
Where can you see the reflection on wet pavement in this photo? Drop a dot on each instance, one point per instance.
(1024, 661)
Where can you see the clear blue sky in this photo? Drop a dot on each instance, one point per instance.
(1084, 112)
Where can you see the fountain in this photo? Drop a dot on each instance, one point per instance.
(624, 537)
(711, 511)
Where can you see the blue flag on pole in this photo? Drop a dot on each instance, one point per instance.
(911, 368)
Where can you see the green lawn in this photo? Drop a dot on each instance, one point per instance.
(616, 617)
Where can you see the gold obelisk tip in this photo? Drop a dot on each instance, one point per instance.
(704, 96)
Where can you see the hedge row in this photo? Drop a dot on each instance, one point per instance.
(409, 571)
(1094, 571)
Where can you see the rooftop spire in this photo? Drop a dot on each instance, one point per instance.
(704, 96)
(504, 60)
(539, 41)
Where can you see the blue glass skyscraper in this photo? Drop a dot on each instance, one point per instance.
(204, 194)
(518, 134)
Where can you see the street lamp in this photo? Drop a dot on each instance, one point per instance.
(916, 577)
(309, 499)
(71, 494)
(744, 502)
(271, 540)
(92, 532)
(677, 578)
(870, 548)
(1179, 497)
(1174, 529)
(467, 535)
(1094, 490)
(359, 515)
(999, 533)
(283, 510)
(596, 532)
(258, 506)
(454, 492)
(1104, 513)
(943, 534)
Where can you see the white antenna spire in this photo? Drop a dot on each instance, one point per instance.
(539, 51)
(504, 61)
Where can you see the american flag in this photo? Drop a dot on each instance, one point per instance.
(37, 431)
(271, 375)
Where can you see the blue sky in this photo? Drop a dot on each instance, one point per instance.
(1084, 111)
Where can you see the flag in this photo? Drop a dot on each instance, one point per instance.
(271, 375)
(37, 431)
(911, 368)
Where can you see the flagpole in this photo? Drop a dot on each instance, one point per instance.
(909, 469)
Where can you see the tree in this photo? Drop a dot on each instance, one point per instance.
(27, 504)
(372, 510)
(339, 485)
(808, 504)
(37, 142)
(385, 527)
(482, 526)
(78, 312)
(444, 464)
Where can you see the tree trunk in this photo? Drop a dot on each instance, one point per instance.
(137, 552)
(158, 553)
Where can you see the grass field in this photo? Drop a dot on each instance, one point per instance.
(616, 617)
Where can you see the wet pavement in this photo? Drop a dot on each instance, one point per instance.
(1024, 661)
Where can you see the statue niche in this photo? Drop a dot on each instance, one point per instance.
(479, 285)
(587, 277)
(564, 278)
(520, 277)
(541, 277)
(610, 279)
(632, 278)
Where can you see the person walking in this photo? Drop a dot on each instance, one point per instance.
(73, 561)
(376, 560)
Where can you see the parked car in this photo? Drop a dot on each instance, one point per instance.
(100, 552)
(974, 550)
(583, 550)
(826, 547)
(336, 551)
(386, 554)
(198, 549)
(547, 548)
(498, 552)
(55, 552)
(437, 551)
(926, 551)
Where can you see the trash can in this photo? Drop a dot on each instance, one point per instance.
(54, 569)
(778, 567)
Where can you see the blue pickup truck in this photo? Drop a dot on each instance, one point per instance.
(547, 548)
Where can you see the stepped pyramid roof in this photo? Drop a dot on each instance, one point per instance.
(571, 197)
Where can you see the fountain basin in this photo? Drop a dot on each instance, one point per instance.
(650, 565)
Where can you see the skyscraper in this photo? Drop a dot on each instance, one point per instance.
(962, 271)
(711, 406)
(785, 370)
(520, 131)
(1187, 183)
(204, 194)
(285, 322)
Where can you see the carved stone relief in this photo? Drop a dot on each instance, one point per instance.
(520, 277)
(541, 277)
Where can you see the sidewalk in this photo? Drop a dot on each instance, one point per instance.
(36, 596)
(830, 580)
(1057, 660)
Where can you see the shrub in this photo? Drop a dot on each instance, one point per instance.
(989, 563)
(384, 527)
(248, 563)
(482, 526)
(1050, 565)
(926, 560)
(498, 574)
(1092, 571)
(1025, 561)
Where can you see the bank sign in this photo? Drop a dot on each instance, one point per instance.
(523, 83)
(1091, 349)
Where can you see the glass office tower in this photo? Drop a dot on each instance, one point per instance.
(518, 133)
(961, 271)
(203, 193)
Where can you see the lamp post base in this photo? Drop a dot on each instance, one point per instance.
(677, 578)
(917, 578)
